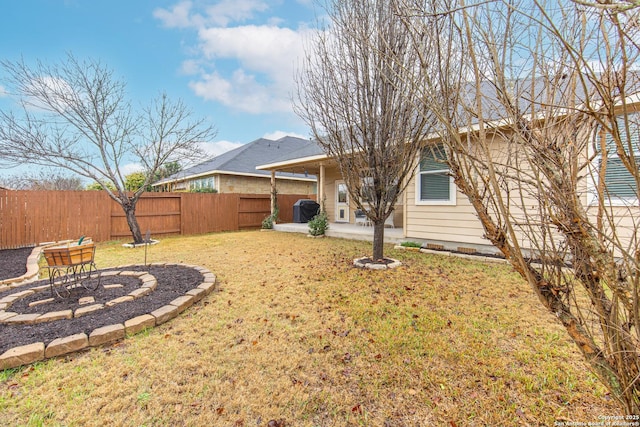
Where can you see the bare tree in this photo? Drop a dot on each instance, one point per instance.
(75, 115)
(541, 132)
(43, 181)
(354, 94)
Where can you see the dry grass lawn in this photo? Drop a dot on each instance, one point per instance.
(295, 333)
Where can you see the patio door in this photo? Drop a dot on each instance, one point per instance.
(342, 202)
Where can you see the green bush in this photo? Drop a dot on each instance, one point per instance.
(319, 224)
(267, 223)
(204, 190)
(411, 244)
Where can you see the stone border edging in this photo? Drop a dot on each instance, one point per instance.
(148, 284)
(31, 353)
(30, 276)
(32, 266)
(479, 257)
(360, 263)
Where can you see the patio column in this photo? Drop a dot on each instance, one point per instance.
(321, 187)
(274, 194)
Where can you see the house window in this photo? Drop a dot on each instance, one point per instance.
(342, 193)
(434, 185)
(202, 184)
(620, 184)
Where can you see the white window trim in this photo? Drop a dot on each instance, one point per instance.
(452, 189)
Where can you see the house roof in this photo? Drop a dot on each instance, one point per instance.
(532, 98)
(244, 159)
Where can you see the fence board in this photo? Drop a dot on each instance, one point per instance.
(252, 209)
(207, 213)
(157, 213)
(32, 217)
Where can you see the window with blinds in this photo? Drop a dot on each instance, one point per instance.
(434, 185)
(620, 183)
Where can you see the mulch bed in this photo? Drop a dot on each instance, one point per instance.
(13, 262)
(173, 281)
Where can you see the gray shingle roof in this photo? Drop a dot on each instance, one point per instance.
(244, 159)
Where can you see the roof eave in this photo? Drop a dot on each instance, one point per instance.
(293, 162)
(223, 172)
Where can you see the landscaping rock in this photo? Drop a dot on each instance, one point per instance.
(66, 345)
(118, 300)
(55, 315)
(182, 302)
(22, 355)
(137, 324)
(106, 335)
(165, 313)
(88, 309)
(27, 319)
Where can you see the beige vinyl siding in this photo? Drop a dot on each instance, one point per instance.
(450, 223)
(626, 220)
(456, 224)
(331, 176)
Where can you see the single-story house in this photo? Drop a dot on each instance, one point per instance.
(432, 210)
(235, 171)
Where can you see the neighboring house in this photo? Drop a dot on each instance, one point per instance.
(431, 210)
(235, 171)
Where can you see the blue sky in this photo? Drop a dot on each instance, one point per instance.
(230, 61)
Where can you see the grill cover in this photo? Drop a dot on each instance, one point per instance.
(304, 210)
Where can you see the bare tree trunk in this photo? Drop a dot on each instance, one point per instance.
(378, 240)
(129, 208)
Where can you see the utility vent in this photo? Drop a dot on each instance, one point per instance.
(467, 250)
(435, 246)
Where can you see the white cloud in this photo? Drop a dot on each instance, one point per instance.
(222, 13)
(219, 147)
(262, 82)
(3, 91)
(242, 92)
(178, 17)
(266, 49)
(225, 11)
(248, 68)
(190, 68)
(130, 168)
(275, 135)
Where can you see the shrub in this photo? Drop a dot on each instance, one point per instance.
(411, 244)
(204, 190)
(319, 224)
(267, 223)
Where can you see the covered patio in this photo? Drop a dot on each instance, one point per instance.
(346, 231)
(332, 196)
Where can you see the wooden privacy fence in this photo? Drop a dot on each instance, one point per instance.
(32, 217)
